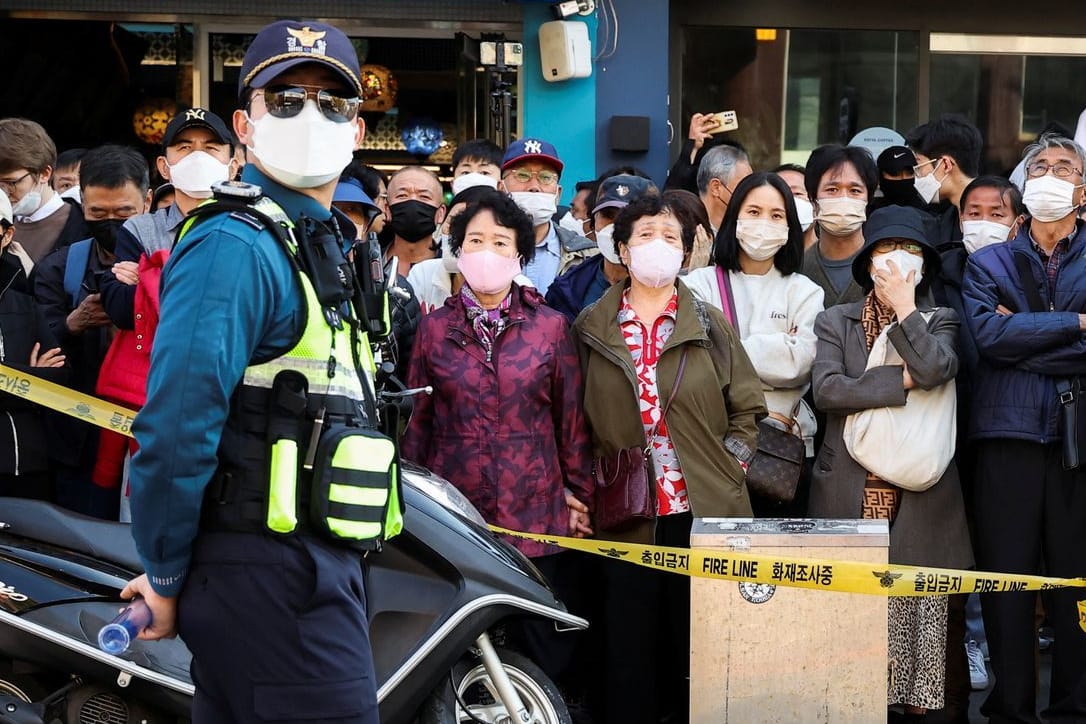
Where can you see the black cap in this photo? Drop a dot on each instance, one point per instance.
(619, 191)
(895, 160)
(196, 118)
(287, 43)
(894, 222)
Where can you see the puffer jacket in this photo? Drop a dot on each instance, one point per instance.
(507, 429)
(123, 377)
(1023, 354)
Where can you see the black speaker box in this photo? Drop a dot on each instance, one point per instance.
(630, 133)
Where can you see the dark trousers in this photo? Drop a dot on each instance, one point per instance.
(36, 486)
(1031, 518)
(645, 673)
(278, 632)
(557, 652)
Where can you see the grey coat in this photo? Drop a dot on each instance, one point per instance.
(930, 528)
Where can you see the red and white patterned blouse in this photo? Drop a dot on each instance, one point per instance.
(645, 348)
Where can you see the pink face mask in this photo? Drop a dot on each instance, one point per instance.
(488, 272)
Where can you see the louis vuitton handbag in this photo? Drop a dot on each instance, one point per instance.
(776, 466)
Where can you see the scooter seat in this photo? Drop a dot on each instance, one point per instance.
(48, 523)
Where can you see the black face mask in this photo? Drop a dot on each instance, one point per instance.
(900, 191)
(413, 220)
(105, 231)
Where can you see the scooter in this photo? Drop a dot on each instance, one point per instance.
(438, 595)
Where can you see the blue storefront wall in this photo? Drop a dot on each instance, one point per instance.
(575, 115)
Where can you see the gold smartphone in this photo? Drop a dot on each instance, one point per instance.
(725, 121)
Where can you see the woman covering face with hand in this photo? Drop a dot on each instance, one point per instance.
(926, 528)
(667, 374)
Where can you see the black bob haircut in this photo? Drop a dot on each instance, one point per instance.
(505, 212)
(949, 135)
(648, 205)
(1010, 194)
(478, 149)
(726, 247)
(834, 156)
(112, 166)
(69, 158)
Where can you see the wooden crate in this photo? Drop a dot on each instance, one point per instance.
(800, 655)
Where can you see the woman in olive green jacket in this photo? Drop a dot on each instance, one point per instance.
(634, 336)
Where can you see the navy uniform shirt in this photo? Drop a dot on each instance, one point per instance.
(228, 294)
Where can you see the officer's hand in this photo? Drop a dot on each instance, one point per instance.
(163, 610)
(88, 315)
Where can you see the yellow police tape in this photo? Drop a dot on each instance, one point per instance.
(96, 411)
(816, 574)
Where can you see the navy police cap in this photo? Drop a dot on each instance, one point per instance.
(287, 43)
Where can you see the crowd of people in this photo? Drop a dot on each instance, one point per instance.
(671, 328)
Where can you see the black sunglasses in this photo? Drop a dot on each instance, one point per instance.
(287, 101)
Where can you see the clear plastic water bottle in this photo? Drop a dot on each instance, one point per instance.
(115, 637)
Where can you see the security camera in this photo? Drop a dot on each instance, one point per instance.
(573, 7)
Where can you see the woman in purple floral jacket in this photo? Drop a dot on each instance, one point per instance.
(505, 422)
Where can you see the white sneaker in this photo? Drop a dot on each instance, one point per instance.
(978, 672)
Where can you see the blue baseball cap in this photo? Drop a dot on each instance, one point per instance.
(287, 43)
(350, 191)
(622, 190)
(531, 149)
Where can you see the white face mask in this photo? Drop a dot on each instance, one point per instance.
(928, 186)
(468, 180)
(605, 240)
(904, 261)
(1049, 198)
(979, 234)
(759, 238)
(195, 173)
(841, 216)
(569, 223)
(304, 151)
(805, 212)
(655, 263)
(28, 204)
(448, 261)
(539, 205)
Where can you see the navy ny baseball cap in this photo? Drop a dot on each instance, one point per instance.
(287, 43)
(531, 149)
(622, 190)
(198, 118)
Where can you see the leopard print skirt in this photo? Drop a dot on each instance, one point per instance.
(917, 651)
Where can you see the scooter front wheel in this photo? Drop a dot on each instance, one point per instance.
(475, 689)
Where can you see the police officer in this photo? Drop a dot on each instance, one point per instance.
(270, 603)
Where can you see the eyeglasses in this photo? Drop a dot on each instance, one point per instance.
(930, 161)
(887, 245)
(1059, 170)
(9, 186)
(288, 101)
(524, 176)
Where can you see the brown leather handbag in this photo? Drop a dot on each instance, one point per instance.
(626, 480)
(776, 466)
